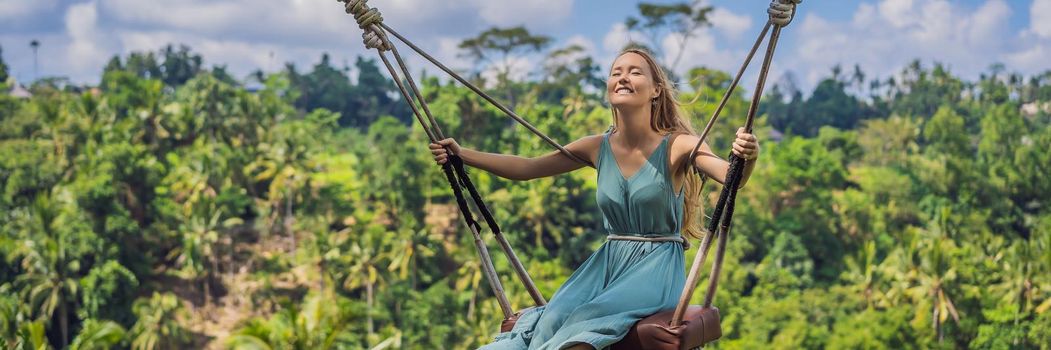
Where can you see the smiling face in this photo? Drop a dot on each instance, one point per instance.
(631, 82)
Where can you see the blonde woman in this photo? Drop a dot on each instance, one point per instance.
(648, 203)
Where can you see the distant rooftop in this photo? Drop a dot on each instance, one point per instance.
(18, 91)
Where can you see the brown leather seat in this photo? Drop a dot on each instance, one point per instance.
(700, 326)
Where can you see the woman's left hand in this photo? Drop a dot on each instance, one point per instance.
(746, 145)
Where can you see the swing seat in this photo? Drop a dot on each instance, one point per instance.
(699, 326)
(509, 323)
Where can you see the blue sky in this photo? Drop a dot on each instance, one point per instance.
(79, 36)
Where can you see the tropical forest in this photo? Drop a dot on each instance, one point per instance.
(176, 206)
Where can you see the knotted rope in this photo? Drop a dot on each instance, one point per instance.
(368, 19)
(371, 21)
(781, 14)
(782, 11)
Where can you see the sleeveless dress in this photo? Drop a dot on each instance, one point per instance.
(623, 281)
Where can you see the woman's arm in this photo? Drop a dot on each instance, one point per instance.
(745, 146)
(520, 168)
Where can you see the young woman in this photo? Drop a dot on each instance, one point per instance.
(642, 167)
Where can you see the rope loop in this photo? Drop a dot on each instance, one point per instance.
(368, 19)
(782, 11)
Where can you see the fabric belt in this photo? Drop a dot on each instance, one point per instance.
(685, 243)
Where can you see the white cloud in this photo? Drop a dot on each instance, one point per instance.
(882, 36)
(519, 68)
(583, 42)
(989, 23)
(701, 50)
(506, 13)
(1035, 57)
(899, 13)
(299, 21)
(89, 47)
(885, 36)
(1040, 18)
(448, 53)
(587, 50)
(618, 37)
(15, 9)
(730, 24)
(242, 34)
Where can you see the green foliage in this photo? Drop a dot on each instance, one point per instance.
(170, 66)
(174, 208)
(493, 49)
(3, 69)
(158, 323)
(505, 41)
(320, 322)
(98, 335)
(360, 104)
(829, 105)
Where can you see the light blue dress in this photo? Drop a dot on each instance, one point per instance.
(623, 281)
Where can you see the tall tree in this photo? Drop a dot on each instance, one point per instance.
(680, 19)
(3, 67)
(567, 71)
(180, 65)
(359, 105)
(35, 44)
(495, 47)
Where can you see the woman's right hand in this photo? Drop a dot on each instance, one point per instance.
(438, 150)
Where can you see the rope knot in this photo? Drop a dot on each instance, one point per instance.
(368, 19)
(782, 11)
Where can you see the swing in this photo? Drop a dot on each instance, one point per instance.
(685, 327)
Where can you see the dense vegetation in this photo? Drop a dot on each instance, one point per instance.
(172, 207)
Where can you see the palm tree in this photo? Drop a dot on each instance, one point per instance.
(1020, 265)
(49, 283)
(35, 45)
(31, 336)
(96, 334)
(199, 253)
(317, 323)
(12, 315)
(363, 260)
(285, 162)
(933, 272)
(469, 277)
(863, 272)
(921, 270)
(158, 326)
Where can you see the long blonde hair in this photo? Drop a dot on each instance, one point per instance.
(667, 118)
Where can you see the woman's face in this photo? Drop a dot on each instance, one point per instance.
(631, 82)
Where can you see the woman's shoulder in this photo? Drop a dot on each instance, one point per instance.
(680, 141)
(590, 141)
(587, 146)
(682, 144)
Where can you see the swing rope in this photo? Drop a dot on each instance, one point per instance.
(781, 13)
(370, 20)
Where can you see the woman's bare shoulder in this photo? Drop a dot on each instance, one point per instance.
(682, 143)
(587, 143)
(586, 147)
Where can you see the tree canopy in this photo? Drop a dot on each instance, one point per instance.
(177, 207)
